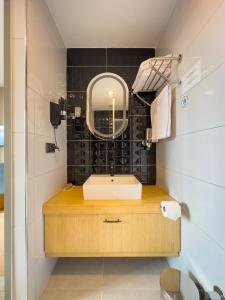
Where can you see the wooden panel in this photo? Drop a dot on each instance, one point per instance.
(1, 202)
(90, 235)
(72, 234)
(72, 202)
(140, 233)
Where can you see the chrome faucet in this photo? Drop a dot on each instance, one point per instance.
(112, 169)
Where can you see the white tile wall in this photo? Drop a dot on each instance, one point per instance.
(191, 165)
(208, 98)
(46, 172)
(19, 88)
(18, 19)
(18, 54)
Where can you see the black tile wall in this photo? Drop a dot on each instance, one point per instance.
(86, 57)
(128, 57)
(87, 154)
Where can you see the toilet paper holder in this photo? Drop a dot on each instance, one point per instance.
(171, 209)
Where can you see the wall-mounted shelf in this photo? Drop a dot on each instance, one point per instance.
(155, 73)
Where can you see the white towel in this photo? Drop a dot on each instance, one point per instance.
(154, 121)
(161, 115)
(147, 79)
(144, 66)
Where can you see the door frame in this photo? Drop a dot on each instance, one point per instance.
(7, 153)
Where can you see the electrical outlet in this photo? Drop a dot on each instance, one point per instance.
(50, 148)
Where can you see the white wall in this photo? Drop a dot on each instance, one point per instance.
(191, 165)
(18, 138)
(46, 56)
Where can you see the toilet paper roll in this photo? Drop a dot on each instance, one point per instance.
(171, 210)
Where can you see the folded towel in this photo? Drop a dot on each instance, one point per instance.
(161, 115)
(154, 120)
(147, 79)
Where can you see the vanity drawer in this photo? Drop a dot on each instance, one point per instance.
(67, 235)
(143, 234)
(111, 235)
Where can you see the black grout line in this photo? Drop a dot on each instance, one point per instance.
(77, 91)
(99, 141)
(102, 66)
(105, 165)
(106, 59)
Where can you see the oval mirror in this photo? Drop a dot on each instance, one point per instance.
(107, 106)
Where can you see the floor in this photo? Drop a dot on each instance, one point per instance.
(105, 279)
(1, 255)
(1, 243)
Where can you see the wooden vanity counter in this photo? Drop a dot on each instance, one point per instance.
(78, 228)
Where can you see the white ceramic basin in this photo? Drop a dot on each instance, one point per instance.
(117, 187)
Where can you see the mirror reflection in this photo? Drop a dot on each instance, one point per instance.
(107, 106)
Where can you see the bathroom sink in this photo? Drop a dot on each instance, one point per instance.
(117, 187)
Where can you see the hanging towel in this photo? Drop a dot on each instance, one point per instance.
(154, 121)
(161, 115)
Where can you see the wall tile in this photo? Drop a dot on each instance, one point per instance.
(139, 124)
(76, 99)
(203, 202)
(201, 266)
(86, 57)
(46, 75)
(78, 153)
(18, 92)
(208, 98)
(190, 166)
(31, 99)
(207, 53)
(30, 201)
(46, 62)
(128, 56)
(20, 262)
(77, 129)
(86, 154)
(203, 159)
(187, 20)
(42, 117)
(139, 108)
(45, 162)
(31, 155)
(19, 172)
(127, 73)
(78, 78)
(18, 19)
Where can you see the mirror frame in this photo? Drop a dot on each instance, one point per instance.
(89, 114)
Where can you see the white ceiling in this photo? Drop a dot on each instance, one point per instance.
(111, 23)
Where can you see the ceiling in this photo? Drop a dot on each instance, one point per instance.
(111, 23)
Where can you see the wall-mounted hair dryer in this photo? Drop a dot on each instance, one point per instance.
(57, 112)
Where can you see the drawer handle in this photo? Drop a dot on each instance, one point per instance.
(112, 221)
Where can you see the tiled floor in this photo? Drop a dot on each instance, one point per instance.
(105, 279)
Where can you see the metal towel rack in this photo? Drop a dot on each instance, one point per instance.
(160, 75)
